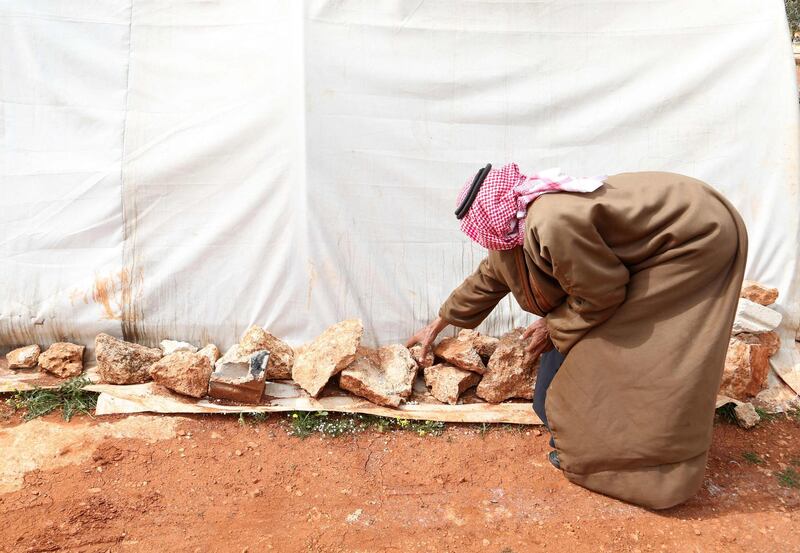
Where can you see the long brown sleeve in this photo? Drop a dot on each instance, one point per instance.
(473, 300)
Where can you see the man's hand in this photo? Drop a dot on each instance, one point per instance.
(427, 335)
(538, 337)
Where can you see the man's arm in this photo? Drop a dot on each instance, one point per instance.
(473, 300)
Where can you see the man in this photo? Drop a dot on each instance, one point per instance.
(637, 278)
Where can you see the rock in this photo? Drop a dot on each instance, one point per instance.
(447, 382)
(171, 346)
(754, 318)
(384, 376)
(327, 355)
(758, 293)
(121, 362)
(63, 359)
(778, 397)
(747, 364)
(484, 345)
(234, 355)
(416, 355)
(23, 358)
(511, 372)
(746, 415)
(211, 351)
(184, 372)
(281, 354)
(254, 339)
(239, 377)
(462, 352)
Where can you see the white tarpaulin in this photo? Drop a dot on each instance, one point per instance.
(183, 169)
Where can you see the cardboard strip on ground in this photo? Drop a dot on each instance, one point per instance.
(286, 396)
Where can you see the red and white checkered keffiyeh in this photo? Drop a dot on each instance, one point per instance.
(496, 219)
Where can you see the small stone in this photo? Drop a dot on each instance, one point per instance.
(447, 382)
(327, 355)
(63, 359)
(384, 376)
(461, 352)
(754, 318)
(171, 346)
(746, 415)
(511, 372)
(23, 358)
(238, 452)
(416, 355)
(183, 372)
(121, 362)
(239, 377)
(758, 293)
(747, 364)
(211, 351)
(281, 355)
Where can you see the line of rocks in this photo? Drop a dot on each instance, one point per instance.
(753, 341)
(498, 368)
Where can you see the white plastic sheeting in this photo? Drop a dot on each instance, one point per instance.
(183, 169)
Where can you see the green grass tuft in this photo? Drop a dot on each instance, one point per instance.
(304, 424)
(752, 458)
(253, 419)
(725, 413)
(70, 397)
(788, 478)
(764, 416)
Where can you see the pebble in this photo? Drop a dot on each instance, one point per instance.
(238, 452)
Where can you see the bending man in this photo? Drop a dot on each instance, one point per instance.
(637, 278)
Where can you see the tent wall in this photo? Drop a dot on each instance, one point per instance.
(182, 170)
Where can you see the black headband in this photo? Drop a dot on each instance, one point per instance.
(480, 176)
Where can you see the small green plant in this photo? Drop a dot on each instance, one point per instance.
(423, 428)
(725, 413)
(764, 416)
(304, 424)
(752, 458)
(788, 478)
(70, 397)
(252, 419)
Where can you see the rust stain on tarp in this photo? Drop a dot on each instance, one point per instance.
(118, 296)
(104, 293)
(115, 294)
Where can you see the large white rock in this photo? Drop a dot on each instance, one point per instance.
(329, 354)
(384, 376)
(754, 318)
(169, 347)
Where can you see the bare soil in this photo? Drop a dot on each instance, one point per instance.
(209, 483)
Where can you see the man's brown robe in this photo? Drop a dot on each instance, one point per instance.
(639, 282)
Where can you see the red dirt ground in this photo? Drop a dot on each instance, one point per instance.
(223, 486)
